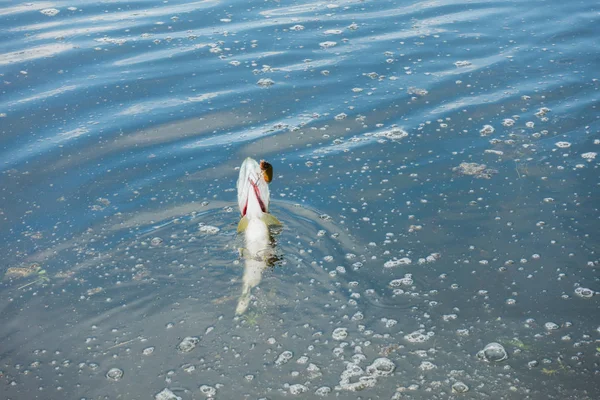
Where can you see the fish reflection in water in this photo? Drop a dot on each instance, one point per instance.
(253, 200)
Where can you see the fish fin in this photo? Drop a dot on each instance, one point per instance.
(270, 219)
(243, 301)
(242, 225)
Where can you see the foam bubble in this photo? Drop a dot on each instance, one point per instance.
(406, 281)
(265, 82)
(327, 44)
(418, 336)
(209, 229)
(395, 263)
(486, 130)
(284, 357)
(298, 389)
(459, 387)
(114, 374)
(208, 391)
(584, 292)
(493, 352)
(166, 394)
(323, 391)
(381, 367)
(188, 344)
(395, 133)
(462, 63)
(339, 333)
(551, 326)
(50, 12)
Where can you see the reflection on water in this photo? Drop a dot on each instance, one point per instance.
(435, 166)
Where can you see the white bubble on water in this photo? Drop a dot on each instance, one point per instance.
(433, 257)
(189, 368)
(166, 394)
(333, 32)
(486, 130)
(358, 358)
(208, 391)
(148, 351)
(313, 371)
(395, 263)
(584, 292)
(589, 155)
(563, 145)
(358, 316)
(327, 44)
(462, 63)
(339, 334)
(156, 241)
(297, 28)
(508, 122)
(302, 360)
(265, 82)
(417, 91)
(389, 322)
(284, 357)
(459, 387)
(381, 367)
(209, 229)
(50, 12)
(353, 370)
(395, 133)
(188, 344)
(418, 336)
(551, 326)
(542, 111)
(406, 281)
(493, 352)
(298, 389)
(323, 391)
(427, 366)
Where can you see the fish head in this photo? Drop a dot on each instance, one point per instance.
(252, 189)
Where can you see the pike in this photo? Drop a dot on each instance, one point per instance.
(253, 200)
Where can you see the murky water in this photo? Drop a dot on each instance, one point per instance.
(435, 173)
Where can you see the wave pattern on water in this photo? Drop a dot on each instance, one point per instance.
(436, 172)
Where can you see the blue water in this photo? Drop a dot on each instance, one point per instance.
(121, 128)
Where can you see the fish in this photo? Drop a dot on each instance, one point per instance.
(254, 198)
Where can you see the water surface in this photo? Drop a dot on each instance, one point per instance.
(435, 172)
